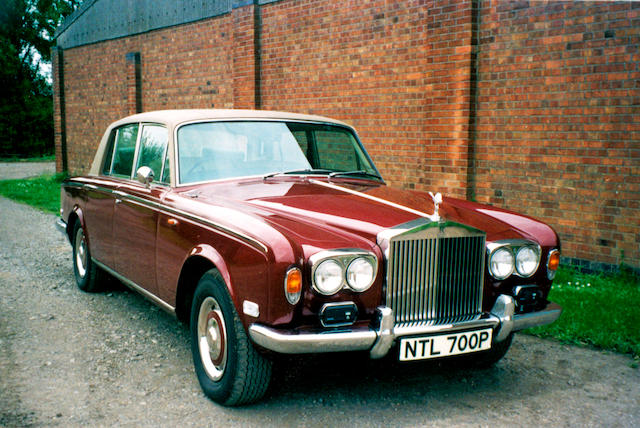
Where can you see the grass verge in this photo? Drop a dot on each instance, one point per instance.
(41, 192)
(45, 158)
(600, 310)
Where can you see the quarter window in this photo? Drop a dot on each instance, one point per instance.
(125, 149)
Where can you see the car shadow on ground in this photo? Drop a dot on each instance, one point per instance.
(316, 381)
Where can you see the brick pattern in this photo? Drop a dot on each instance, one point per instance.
(57, 108)
(178, 70)
(531, 106)
(558, 123)
(398, 71)
(244, 79)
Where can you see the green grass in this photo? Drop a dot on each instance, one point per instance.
(45, 158)
(41, 192)
(600, 310)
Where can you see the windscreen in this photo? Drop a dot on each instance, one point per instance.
(217, 150)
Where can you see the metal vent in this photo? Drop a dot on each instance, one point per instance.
(435, 274)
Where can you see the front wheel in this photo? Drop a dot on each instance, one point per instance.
(229, 369)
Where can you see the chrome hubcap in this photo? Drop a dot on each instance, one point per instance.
(81, 253)
(212, 338)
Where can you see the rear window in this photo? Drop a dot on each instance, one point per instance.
(124, 150)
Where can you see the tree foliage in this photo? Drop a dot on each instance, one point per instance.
(27, 28)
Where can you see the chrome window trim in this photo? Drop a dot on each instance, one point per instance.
(140, 125)
(173, 211)
(344, 257)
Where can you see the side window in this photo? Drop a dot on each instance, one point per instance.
(153, 147)
(125, 150)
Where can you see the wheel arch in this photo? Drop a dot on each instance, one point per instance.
(201, 259)
(75, 215)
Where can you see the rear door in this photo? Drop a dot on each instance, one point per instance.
(99, 208)
(136, 210)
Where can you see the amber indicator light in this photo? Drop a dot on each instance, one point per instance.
(294, 281)
(554, 260)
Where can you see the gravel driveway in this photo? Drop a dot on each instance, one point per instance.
(68, 358)
(11, 170)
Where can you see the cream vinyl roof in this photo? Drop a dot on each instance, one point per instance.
(176, 117)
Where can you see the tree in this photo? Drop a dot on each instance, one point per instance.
(26, 110)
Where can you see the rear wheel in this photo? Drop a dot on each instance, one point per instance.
(229, 369)
(85, 270)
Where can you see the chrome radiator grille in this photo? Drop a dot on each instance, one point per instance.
(435, 275)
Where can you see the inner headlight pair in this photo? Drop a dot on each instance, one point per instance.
(514, 257)
(332, 270)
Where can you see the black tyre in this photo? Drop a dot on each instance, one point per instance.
(229, 369)
(86, 272)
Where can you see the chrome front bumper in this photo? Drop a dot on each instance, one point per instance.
(379, 337)
(61, 226)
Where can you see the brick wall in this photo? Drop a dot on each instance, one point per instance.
(178, 70)
(398, 71)
(558, 123)
(531, 106)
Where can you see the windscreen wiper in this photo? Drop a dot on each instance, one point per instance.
(356, 172)
(300, 172)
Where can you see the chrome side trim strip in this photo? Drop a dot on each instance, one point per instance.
(173, 211)
(135, 287)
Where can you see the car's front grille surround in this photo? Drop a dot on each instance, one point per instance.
(435, 274)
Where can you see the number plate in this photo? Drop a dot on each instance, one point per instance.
(444, 345)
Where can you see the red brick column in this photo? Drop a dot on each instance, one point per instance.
(59, 131)
(244, 65)
(134, 83)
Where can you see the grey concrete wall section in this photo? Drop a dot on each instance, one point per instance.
(99, 20)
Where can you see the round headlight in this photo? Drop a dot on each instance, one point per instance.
(327, 277)
(527, 260)
(501, 263)
(360, 274)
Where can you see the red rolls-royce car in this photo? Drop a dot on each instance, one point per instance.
(273, 232)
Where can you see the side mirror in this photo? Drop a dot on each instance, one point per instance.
(144, 175)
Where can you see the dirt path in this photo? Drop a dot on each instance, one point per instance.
(11, 170)
(68, 358)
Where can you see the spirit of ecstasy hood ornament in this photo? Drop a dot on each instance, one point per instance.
(437, 200)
